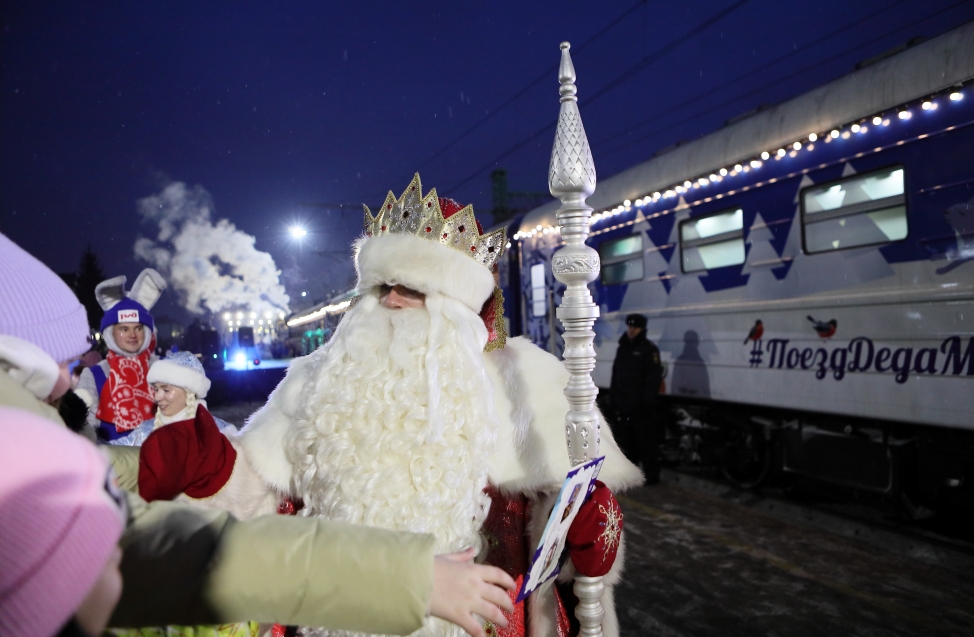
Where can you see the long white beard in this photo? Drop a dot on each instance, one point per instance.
(367, 449)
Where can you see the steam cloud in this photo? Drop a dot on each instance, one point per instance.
(213, 266)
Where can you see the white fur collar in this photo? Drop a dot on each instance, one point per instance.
(532, 453)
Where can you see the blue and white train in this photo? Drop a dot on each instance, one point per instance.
(809, 268)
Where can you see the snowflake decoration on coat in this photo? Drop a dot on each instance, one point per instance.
(613, 529)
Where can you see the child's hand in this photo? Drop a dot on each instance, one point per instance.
(461, 588)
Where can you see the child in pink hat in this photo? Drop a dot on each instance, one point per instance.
(61, 516)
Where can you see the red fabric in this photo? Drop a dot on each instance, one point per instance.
(450, 207)
(125, 399)
(488, 314)
(189, 456)
(289, 506)
(593, 539)
(508, 548)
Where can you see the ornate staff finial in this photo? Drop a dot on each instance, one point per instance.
(571, 178)
(572, 171)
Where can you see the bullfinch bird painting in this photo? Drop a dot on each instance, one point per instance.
(756, 332)
(825, 330)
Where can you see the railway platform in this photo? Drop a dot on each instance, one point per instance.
(704, 559)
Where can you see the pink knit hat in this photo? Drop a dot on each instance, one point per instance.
(60, 518)
(37, 306)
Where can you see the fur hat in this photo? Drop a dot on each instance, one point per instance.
(36, 305)
(132, 306)
(62, 516)
(181, 369)
(422, 242)
(636, 320)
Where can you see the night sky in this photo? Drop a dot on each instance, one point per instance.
(271, 107)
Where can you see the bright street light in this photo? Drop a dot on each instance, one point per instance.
(297, 231)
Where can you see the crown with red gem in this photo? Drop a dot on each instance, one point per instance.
(424, 217)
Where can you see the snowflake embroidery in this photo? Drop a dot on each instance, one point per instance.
(613, 529)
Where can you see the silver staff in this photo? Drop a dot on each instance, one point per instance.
(571, 178)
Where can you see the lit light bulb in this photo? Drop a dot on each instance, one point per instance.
(755, 163)
(780, 153)
(956, 96)
(656, 195)
(738, 167)
(812, 137)
(723, 172)
(297, 231)
(797, 145)
(834, 134)
(886, 122)
(927, 105)
(686, 184)
(904, 114)
(765, 155)
(626, 203)
(877, 120)
(863, 129)
(679, 189)
(713, 177)
(855, 128)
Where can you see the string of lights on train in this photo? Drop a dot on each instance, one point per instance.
(806, 144)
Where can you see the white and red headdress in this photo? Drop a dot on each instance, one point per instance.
(428, 244)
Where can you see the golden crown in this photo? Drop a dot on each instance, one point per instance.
(421, 216)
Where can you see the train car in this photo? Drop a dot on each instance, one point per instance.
(808, 271)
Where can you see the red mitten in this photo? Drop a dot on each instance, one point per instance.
(189, 456)
(593, 539)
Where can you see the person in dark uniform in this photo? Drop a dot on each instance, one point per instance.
(636, 377)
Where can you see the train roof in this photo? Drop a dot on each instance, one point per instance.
(916, 73)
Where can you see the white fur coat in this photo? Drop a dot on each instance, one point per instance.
(531, 455)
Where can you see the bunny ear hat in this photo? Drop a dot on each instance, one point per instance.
(132, 306)
(145, 291)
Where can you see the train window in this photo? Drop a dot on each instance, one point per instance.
(856, 211)
(714, 241)
(539, 291)
(622, 259)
